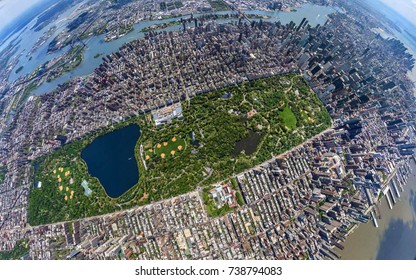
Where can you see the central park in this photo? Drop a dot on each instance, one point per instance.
(220, 134)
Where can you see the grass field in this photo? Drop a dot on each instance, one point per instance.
(288, 118)
(166, 149)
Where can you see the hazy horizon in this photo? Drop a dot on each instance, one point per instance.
(406, 8)
(10, 10)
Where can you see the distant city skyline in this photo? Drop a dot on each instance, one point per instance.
(10, 11)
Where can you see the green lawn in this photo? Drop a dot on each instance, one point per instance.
(288, 118)
(165, 148)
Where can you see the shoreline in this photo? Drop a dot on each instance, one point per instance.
(384, 222)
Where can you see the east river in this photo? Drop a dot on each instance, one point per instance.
(96, 45)
(395, 238)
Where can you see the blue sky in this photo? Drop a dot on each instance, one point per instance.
(10, 9)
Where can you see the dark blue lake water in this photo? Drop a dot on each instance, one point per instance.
(111, 159)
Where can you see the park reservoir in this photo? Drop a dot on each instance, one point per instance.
(111, 159)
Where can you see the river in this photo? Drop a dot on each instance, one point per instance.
(96, 45)
(395, 238)
(111, 159)
(29, 38)
(403, 34)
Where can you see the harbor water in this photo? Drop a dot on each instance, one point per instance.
(395, 237)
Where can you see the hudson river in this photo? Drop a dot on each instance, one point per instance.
(395, 238)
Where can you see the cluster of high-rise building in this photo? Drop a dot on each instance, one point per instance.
(298, 205)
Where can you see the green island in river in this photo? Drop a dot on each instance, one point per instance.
(71, 60)
(222, 133)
